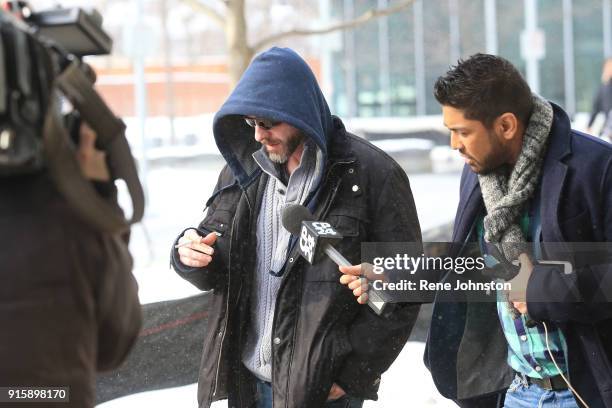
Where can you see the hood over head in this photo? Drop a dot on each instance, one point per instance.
(277, 85)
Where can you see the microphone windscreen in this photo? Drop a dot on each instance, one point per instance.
(292, 217)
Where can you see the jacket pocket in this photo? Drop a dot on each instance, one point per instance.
(219, 221)
(348, 223)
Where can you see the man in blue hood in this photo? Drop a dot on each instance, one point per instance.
(283, 332)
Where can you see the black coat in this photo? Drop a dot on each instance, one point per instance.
(68, 301)
(325, 335)
(576, 206)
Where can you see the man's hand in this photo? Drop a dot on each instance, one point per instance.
(92, 160)
(357, 278)
(336, 392)
(198, 250)
(518, 294)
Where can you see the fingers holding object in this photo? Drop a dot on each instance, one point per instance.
(194, 263)
(355, 284)
(354, 270)
(191, 239)
(359, 286)
(193, 258)
(347, 279)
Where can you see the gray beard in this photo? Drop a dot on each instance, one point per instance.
(292, 145)
(277, 158)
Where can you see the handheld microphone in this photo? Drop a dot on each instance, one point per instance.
(315, 238)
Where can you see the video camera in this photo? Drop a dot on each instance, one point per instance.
(41, 69)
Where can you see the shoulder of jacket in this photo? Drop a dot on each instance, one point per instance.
(365, 151)
(226, 173)
(590, 149)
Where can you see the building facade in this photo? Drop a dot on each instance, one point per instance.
(388, 67)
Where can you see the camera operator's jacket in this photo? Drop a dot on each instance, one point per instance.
(321, 335)
(68, 300)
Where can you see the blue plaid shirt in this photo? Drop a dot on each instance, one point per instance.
(527, 350)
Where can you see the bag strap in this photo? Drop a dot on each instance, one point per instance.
(110, 132)
(63, 165)
(78, 191)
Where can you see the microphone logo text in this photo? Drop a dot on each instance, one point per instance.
(307, 243)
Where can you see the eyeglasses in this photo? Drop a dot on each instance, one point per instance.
(263, 123)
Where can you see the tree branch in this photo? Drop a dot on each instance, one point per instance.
(198, 6)
(344, 25)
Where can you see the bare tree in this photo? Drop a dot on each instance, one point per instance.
(229, 14)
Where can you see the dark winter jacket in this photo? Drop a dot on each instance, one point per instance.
(575, 207)
(68, 301)
(321, 335)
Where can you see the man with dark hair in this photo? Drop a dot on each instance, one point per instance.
(529, 178)
(482, 96)
(282, 332)
(529, 181)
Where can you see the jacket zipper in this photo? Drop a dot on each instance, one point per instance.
(284, 279)
(226, 317)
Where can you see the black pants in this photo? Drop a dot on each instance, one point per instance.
(488, 401)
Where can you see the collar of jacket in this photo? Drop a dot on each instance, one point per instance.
(339, 153)
(339, 149)
(554, 173)
(553, 178)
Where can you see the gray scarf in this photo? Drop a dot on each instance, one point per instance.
(505, 196)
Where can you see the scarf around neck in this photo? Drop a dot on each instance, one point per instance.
(505, 195)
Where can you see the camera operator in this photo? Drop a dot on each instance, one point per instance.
(68, 301)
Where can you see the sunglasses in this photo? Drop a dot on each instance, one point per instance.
(263, 123)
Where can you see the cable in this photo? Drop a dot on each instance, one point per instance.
(560, 371)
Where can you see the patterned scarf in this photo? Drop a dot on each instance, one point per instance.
(505, 196)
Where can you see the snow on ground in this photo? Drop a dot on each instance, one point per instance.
(407, 383)
(178, 397)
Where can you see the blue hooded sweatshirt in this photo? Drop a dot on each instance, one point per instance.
(278, 85)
